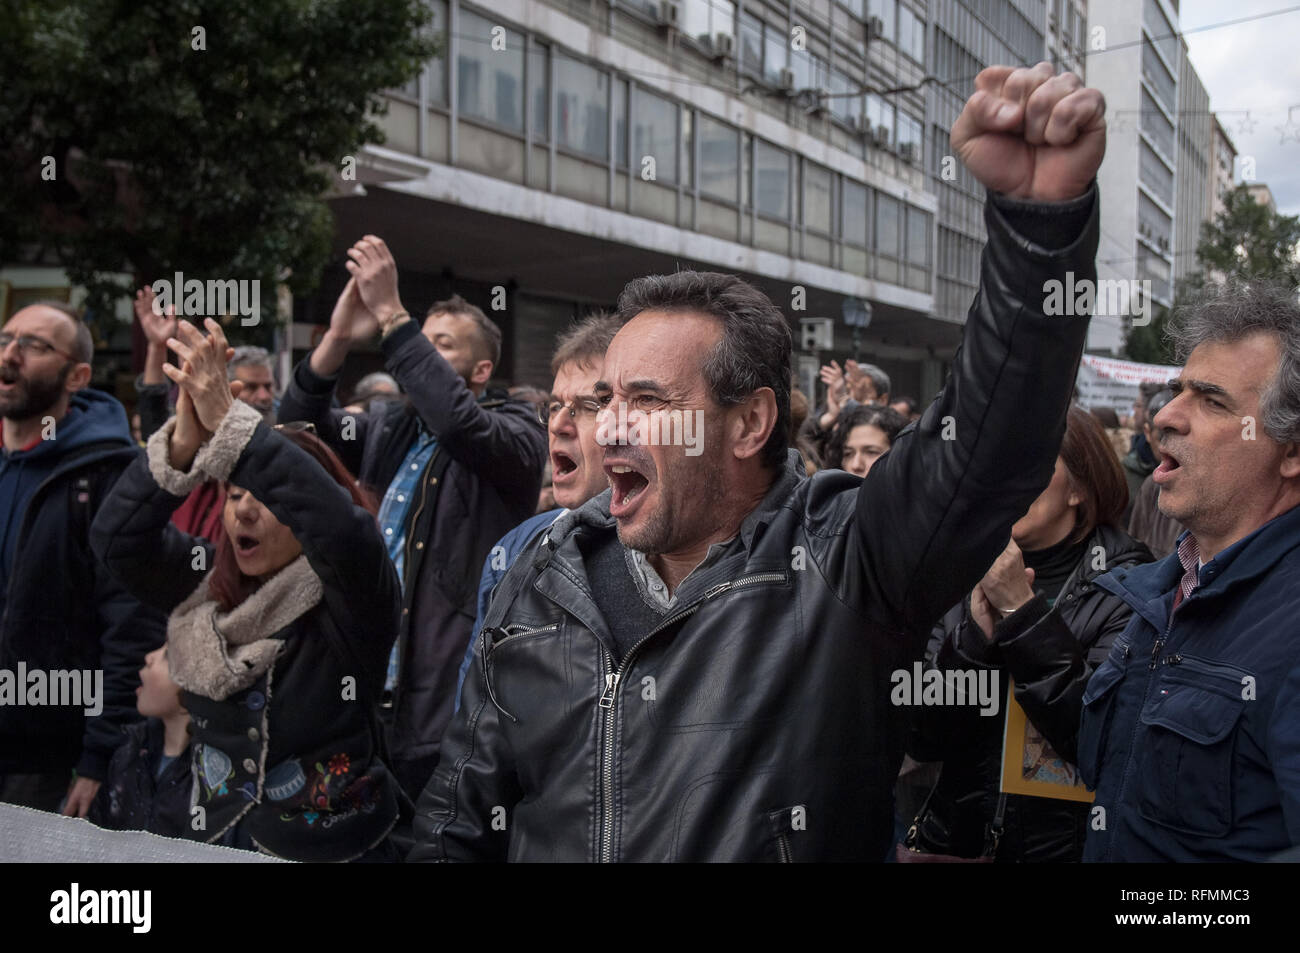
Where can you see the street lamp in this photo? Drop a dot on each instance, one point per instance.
(857, 315)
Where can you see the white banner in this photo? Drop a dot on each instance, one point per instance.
(1109, 382)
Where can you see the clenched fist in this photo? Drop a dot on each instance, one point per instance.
(1031, 134)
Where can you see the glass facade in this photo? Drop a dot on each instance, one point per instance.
(490, 82)
(593, 131)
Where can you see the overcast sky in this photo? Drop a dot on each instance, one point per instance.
(1252, 66)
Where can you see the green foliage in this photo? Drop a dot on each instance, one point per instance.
(212, 161)
(1246, 240)
(1147, 344)
(1249, 240)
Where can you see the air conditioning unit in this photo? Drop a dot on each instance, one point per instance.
(882, 137)
(787, 79)
(670, 13)
(861, 124)
(907, 151)
(722, 45)
(875, 28)
(816, 334)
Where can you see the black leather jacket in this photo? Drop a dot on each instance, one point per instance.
(755, 722)
(1049, 653)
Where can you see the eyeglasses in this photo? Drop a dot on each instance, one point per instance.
(29, 345)
(578, 407)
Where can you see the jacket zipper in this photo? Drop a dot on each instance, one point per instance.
(783, 845)
(609, 702)
(406, 564)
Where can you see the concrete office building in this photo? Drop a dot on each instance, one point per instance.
(1137, 68)
(1193, 174)
(558, 148)
(1223, 167)
(969, 35)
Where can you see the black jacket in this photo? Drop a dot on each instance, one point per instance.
(295, 759)
(484, 479)
(755, 721)
(64, 611)
(1049, 654)
(134, 797)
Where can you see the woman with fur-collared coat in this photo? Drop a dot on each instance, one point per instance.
(280, 647)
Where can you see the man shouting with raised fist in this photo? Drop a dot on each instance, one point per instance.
(696, 664)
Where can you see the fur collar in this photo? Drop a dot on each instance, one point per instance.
(216, 654)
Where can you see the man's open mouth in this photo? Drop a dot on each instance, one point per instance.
(1168, 464)
(562, 464)
(627, 485)
(245, 545)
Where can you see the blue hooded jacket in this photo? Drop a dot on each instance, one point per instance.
(1190, 732)
(62, 610)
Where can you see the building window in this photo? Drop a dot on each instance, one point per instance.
(435, 71)
(810, 70)
(888, 226)
(855, 214)
(654, 134)
(881, 113)
(844, 107)
(910, 132)
(581, 108)
(887, 11)
(772, 170)
(718, 174)
(539, 100)
(703, 19)
(816, 198)
(751, 44)
(911, 34)
(775, 47)
(490, 82)
(918, 237)
(620, 123)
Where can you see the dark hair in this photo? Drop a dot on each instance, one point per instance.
(908, 402)
(227, 585)
(1106, 416)
(1095, 473)
(798, 412)
(488, 332)
(83, 343)
(586, 342)
(1157, 403)
(890, 422)
(753, 352)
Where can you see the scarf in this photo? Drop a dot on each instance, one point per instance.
(215, 654)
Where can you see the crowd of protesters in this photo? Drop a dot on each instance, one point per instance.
(440, 620)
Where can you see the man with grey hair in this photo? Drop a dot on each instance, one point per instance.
(1190, 732)
(254, 367)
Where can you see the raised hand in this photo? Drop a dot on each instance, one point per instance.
(205, 381)
(157, 327)
(1031, 134)
(836, 388)
(351, 320)
(375, 272)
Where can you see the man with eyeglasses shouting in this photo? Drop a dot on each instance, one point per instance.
(66, 624)
(576, 455)
(456, 466)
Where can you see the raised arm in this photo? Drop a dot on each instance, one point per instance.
(339, 538)
(936, 510)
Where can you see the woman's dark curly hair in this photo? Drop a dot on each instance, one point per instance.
(887, 419)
